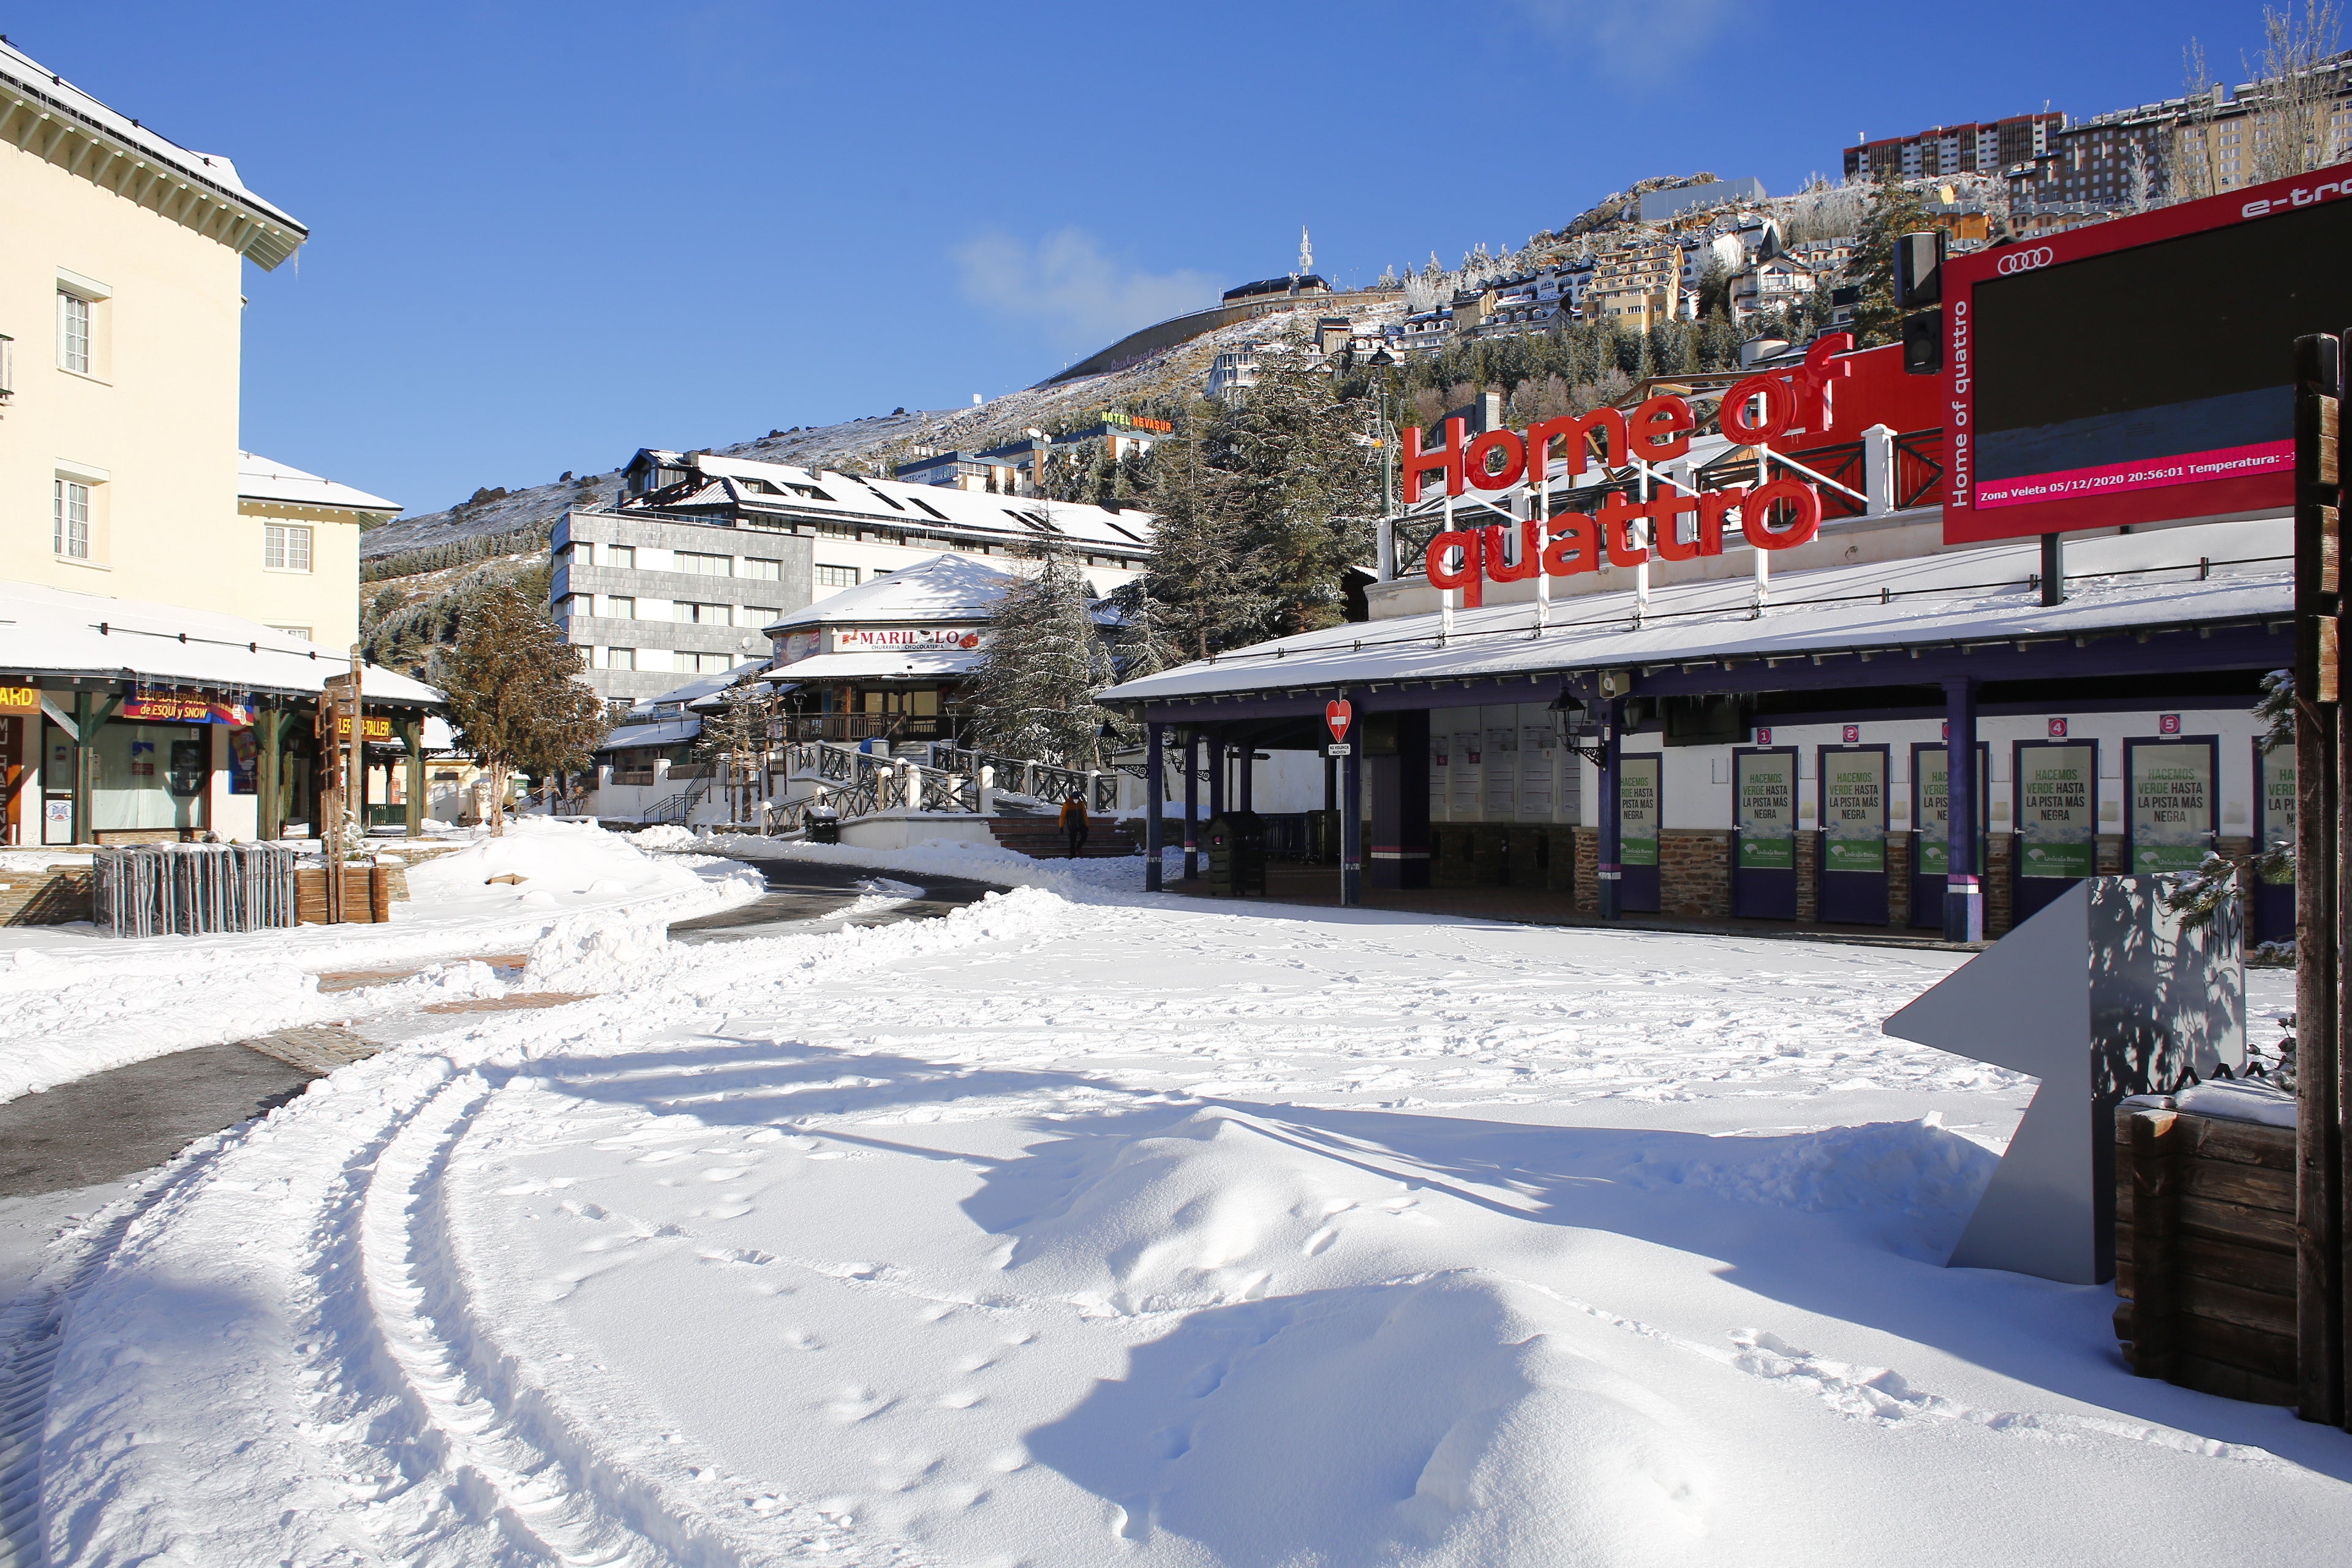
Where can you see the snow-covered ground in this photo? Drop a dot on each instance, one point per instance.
(1082, 1228)
(73, 1002)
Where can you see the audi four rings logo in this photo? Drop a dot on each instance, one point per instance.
(2027, 260)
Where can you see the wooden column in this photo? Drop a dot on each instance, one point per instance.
(269, 807)
(1154, 819)
(1192, 804)
(2321, 756)
(412, 735)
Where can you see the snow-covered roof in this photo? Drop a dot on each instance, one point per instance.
(706, 685)
(817, 492)
(270, 235)
(944, 588)
(2228, 572)
(662, 732)
(884, 664)
(51, 631)
(260, 479)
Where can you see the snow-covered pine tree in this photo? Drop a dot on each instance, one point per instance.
(1896, 210)
(734, 743)
(512, 698)
(1197, 574)
(1306, 489)
(1032, 696)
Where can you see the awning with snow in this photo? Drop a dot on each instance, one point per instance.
(667, 732)
(2218, 595)
(892, 664)
(51, 632)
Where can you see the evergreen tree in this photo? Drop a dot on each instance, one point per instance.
(735, 741)
(1895, 210)
(513, 701)
(1033, 695)
(1305, 488)
(1210, 600)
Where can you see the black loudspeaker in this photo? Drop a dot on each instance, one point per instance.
(1923, 344)
(1919, 269)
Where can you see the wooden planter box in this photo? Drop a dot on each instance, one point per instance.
(2205, 1251)
(367, 893)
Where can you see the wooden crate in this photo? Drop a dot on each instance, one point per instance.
(367, 894)
(2205, 1251)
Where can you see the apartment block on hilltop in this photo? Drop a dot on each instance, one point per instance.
(1978, 147)
(1639, 286)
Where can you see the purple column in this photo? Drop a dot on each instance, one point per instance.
(1963, 894)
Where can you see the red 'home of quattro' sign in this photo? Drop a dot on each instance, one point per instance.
(1777, 515)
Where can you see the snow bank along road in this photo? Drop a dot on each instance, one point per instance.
(1082, 1229)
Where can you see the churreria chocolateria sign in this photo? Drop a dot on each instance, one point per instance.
(1777, 515)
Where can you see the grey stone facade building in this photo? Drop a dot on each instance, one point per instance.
(652, 600)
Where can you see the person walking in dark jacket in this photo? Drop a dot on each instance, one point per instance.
(1074, 824)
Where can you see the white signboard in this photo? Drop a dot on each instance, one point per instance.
(869, 639)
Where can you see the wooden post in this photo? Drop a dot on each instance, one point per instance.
(2155, 1273)
(2320, 755)
(82, 732)
(267, 804)
(1155, 785)
(412, 736)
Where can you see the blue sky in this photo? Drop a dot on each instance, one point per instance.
(545, 235)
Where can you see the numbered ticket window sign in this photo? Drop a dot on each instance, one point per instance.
(2057, 808)
(1853, 809)
(1931, 780)
(1637, 812)
(1765, 801)
(2170, 785)
(2275, 768)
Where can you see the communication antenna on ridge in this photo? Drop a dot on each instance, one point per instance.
(1306, 253)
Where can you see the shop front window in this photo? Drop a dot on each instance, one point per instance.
(148, 776)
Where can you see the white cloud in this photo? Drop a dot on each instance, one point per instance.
(1083, 298)
(1634, 33)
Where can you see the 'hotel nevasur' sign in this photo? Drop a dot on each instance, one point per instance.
(1779, 515)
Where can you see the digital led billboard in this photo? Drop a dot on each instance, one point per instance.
(2139, 369)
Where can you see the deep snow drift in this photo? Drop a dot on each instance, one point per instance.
(1082, 1229)
(74, 1003)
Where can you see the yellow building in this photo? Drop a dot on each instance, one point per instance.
(119, 291)
(305, 532)
(175, 605)
(1639, 287)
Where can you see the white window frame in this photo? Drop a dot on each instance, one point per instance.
(76, 330)
(279, 542)
(837, 581)
(69, 532)
(765, 569)
(620, 658)
(301, 632)
(703, 564)
(621, 606)
(619, 557)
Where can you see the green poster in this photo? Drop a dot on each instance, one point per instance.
(2171, 807)
(1637, 812)
(2278, 808)
(1766, 803)
(1935, 771)
(1936, 811)
(2057, 830)
(1853, 811)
